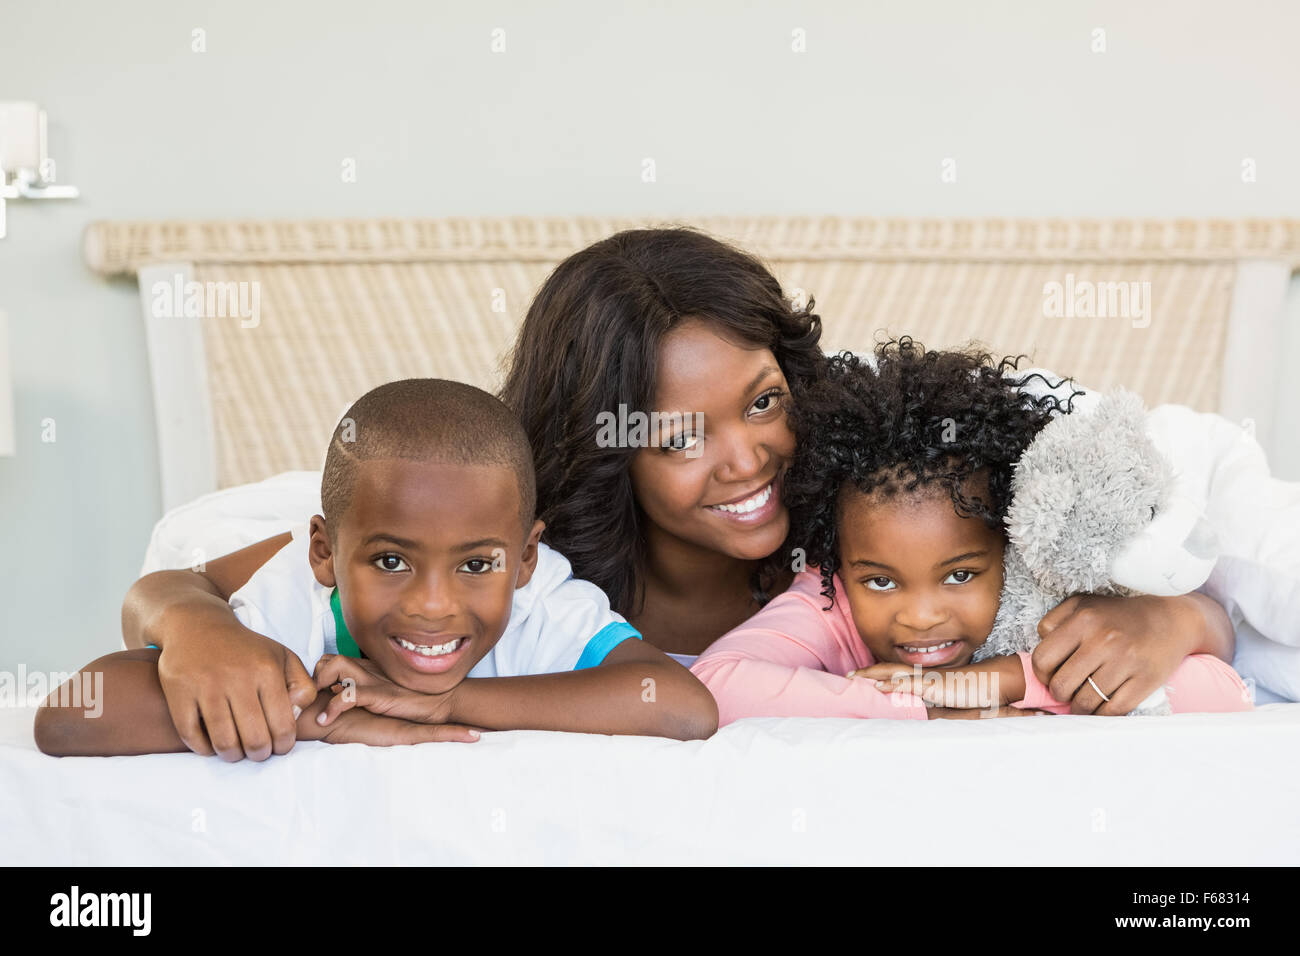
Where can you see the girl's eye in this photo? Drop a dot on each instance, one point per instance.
(682, 442)
(880, 584)
(390, 562)
(478, 565)
(961, 577)
(769, 400)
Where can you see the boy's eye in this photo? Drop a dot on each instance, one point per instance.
(769, 400)
(961, 577)
(477, 565)
(880, 583)
(391, 562)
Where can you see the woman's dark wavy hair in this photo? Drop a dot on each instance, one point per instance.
(919, 418)
(591, 341)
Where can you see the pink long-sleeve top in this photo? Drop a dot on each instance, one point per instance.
(789, 660)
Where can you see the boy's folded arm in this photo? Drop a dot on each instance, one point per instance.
(160, 605)
(125, 713)
(120, 710)
(636, 690)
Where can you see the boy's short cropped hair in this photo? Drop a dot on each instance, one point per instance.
(426, 419)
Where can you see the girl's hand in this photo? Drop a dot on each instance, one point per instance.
(954, 713)
(359, 683)
(995, 682)
(1129, 646)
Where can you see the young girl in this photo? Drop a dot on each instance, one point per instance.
(897, 497)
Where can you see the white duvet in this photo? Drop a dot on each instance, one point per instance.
(1192, 789)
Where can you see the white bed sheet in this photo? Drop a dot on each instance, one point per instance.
(1193, 789)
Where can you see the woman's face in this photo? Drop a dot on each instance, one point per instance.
(719, 490)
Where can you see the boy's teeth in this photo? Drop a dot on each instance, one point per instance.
(928, 650)
(749, 504)
(431, 650)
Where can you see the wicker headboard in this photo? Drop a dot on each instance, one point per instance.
(346, 305)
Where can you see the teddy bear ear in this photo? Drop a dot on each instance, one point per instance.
(1039, 514)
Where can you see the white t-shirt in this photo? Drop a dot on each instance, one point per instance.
(557, 622)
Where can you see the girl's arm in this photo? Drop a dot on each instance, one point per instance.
(1135, 643)
(117, 708)
(762, 669)
(230, 690)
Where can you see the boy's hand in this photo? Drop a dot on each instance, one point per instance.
(360, 684)
(233, 691)
(360, 726)
(995, 682)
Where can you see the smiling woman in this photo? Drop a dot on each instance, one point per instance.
(685, 532)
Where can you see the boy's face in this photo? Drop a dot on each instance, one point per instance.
(923, 582)
(427, 558)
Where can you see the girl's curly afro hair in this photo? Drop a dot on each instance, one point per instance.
(917, 418)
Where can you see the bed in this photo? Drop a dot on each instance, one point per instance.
(343, 306)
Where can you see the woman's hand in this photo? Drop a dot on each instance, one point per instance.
(1129, 646)
(359, 683)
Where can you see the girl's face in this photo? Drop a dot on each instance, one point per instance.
(719, 490)
(923, 582)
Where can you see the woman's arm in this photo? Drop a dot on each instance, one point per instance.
(1129, 646)
(229, 690)
(1200, 684)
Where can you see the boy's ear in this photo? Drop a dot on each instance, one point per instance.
(321, 554)
(528, 562)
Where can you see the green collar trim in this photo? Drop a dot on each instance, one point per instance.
(347, 646)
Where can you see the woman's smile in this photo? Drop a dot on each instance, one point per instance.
(755, 508)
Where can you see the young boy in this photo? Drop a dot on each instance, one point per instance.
(424, 601)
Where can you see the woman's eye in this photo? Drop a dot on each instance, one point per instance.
(478, 565)
(880, 584)
(682, 442)
(390, 562)
(961, 577)
(769, 400)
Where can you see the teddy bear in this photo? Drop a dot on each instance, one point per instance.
(1096, 509)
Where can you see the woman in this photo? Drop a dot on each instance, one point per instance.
(684, 528)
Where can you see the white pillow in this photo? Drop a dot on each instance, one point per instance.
(230, 519)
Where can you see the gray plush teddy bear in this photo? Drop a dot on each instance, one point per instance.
(1094, 510)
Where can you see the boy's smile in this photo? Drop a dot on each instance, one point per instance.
(923, 582)
(426, 560)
